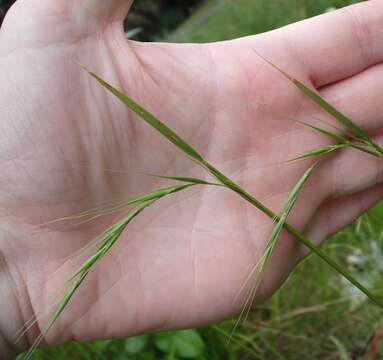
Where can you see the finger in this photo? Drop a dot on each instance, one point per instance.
(359, 97)
(331, 217)
(337, 213)
(351, 171)
(339, 44)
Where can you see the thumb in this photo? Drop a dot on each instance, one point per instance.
(62, 19)
(99, 12)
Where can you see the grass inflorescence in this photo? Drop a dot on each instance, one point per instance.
(353, 136)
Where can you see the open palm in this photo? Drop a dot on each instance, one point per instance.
(184, 261)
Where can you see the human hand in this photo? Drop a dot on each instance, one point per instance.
(183, 262)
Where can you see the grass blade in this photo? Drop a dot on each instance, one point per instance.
(320, 152)
(110, 237)
(120, 205)
(342, 350)
(81, 276)
(112, 234)
(291, 201)
(351, 126)
(354, 129)
(256, 272)
(151, 119)
(359, 146)
(315, 97)
(330, 134)
(186, 179)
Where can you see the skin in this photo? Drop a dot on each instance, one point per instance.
(183, 262)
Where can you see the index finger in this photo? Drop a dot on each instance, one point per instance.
(340, 44)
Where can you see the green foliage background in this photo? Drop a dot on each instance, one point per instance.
(316, 315)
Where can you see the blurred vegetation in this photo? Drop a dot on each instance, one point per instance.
(226, 19)
(316, 314)
(157, 18)
(153, 18)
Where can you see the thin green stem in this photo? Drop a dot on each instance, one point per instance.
(378, 148)
(365, 150)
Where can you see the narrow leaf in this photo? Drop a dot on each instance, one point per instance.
(111, 235)
(356, 130)
(81, 276)
(342, 350)
(320, 151)
(350, 125)
(330, 134)
(315, 97)
(291, 200)
(359, 146)
(257, 270)
(186, 179)
(123, 204)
